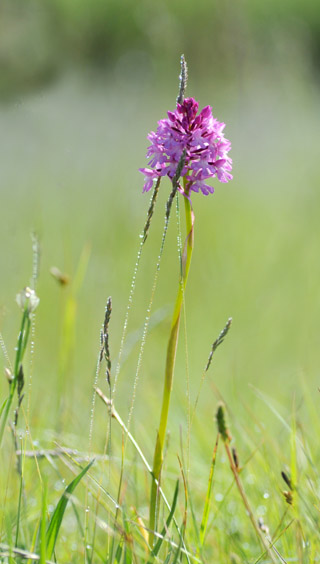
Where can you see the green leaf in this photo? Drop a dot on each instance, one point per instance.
(56, 519)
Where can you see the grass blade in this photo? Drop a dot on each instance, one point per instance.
(118, 554)
(56, 519)
(206, 510)
(128, 556)
(168, 521)
(3, 406)
(43, 546)
(178, 553)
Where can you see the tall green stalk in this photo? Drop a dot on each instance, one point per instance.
(170, 363)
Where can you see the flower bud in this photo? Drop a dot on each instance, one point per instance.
(8, 374)
(27, 299)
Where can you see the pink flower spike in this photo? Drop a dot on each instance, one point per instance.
(203, 139)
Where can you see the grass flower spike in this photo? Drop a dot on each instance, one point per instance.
(206, 148)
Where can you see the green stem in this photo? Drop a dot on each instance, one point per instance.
(21, 348)
(169, 370)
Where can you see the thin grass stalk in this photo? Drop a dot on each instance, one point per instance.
(226, 437)
(117, 417)
(143, 238)
(154, 285)
(170, 363)
(19, 509)
(260, 536)
(42, 532)
(6, 551)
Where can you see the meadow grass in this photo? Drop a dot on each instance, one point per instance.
(255, 260)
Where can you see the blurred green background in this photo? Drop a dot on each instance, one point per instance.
(81, 85)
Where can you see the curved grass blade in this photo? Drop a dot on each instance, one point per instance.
(56, 519)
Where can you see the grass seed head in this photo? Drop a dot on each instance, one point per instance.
(288, 497)
(221, 422)
(235, 458)
(287, 480)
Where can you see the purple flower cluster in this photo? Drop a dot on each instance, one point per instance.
(206, 148)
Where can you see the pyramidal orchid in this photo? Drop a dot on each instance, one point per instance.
(201, 136)
(190, 148)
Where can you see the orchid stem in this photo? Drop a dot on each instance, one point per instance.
(170, 363)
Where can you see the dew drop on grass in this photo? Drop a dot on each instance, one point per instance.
(58, 485)
(250, 479)
(246, 546)
(266, 495)
(261, 510)
(231, 507)
(234, 525)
